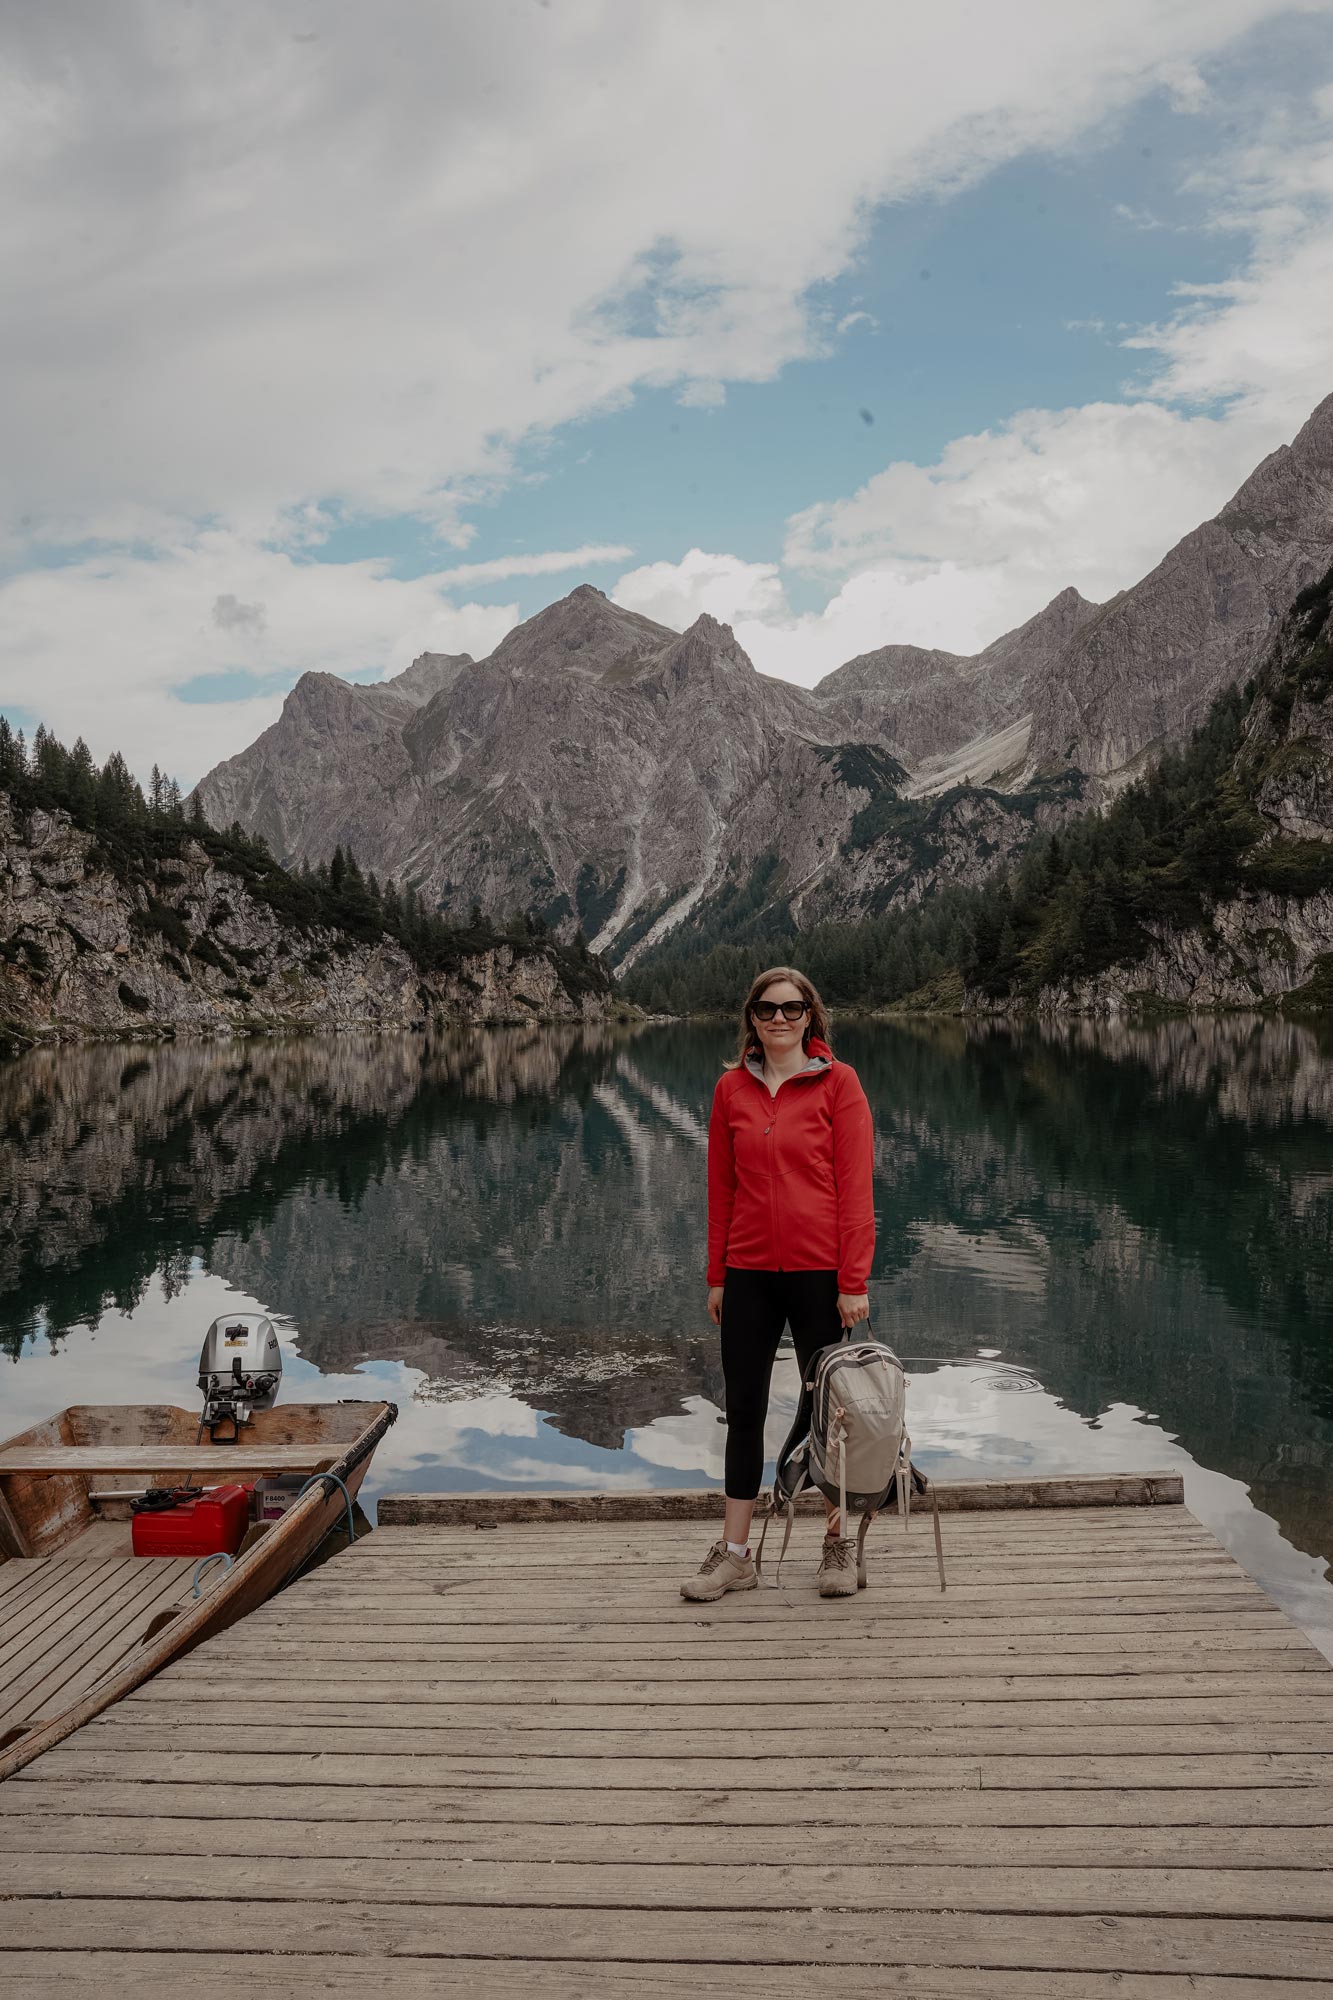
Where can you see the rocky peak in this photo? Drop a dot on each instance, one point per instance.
(885, 672)
(704, 650)
(1018, 656)
(1275, 501)
(428, 675)
(584, 633)
(320, 700)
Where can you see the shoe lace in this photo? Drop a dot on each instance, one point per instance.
(713, 1558)
(837, 1555)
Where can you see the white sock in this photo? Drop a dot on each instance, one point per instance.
(738, 1548)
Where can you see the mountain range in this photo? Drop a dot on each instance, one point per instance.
(610, 774)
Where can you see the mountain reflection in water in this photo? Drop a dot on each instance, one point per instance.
(503, 1230)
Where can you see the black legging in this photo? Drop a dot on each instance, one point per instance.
(756, 1305)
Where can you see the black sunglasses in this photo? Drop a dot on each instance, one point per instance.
(768, 1010)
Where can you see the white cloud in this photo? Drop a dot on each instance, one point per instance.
(283, 270)
(548, 564)
(99, 646)
(1092, 496)
(1137, 218)
(261, 271)
(1260, 339)
(702, 394)
(676, 594)
(953, 554)
(851, 319)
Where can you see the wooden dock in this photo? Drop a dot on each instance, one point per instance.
(509, 1760)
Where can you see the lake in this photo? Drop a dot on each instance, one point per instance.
(1100, 1248)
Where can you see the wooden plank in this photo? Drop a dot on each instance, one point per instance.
(760, 1744)
(95, 1598)
(918, 1598)
(78, 1667)
(398, 1583)
(998, 1531)
(1135, 1692)
(64, 1582)
(718, 1710)
(697, 1625)
(48, 1975)
(554, 1883)
(564, 1546)
(1155, 1489)
(102, 1754)
(224, 1462)
(1209, 1945)
(809, 1508)
(1225, 1656)
(94, 1833)
(261, 1797)
(611, 1608)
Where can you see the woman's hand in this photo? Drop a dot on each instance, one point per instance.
(715, 1304)
(852, 1306)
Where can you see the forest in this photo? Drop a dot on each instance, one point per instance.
(134, 832)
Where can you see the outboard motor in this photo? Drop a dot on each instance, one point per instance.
(240, 1371)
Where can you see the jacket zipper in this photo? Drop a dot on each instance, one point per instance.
(770, 1133)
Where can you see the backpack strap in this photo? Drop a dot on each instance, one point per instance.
(773, 1508)
(837, 1435)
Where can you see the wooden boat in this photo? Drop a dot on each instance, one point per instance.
(82, 1619)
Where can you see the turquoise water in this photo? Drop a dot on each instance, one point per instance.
(1099, 1248)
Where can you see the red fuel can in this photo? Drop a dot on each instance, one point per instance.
(215, 1522)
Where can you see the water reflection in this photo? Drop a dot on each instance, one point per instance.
(505, 1230)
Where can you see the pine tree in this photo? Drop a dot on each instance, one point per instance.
(11, 773)
(82, 783)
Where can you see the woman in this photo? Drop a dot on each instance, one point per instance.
(791, 1232)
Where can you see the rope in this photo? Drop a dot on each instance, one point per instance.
(218, 1555)
(314, 1480)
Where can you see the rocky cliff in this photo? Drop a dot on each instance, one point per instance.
(182, 944)
(932, 704)
(611, 774)
(1271, 936)
(597, 768)
(1140, 674)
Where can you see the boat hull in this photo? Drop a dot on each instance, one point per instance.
(43, 1522)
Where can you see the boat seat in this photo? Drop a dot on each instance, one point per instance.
(44, 1461)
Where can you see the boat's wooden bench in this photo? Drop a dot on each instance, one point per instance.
(514, 1763)
(45, 1461)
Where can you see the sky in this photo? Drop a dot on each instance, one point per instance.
(335, 334)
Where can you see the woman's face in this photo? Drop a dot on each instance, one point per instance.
(777, 1037)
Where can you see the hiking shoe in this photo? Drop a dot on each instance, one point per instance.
(720, 1572)
(838, 1575)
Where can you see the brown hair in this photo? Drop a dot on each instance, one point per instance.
(816, 1021)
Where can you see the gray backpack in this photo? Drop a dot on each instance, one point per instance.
(850, 1441)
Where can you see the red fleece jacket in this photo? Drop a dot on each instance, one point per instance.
(789, 1177)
